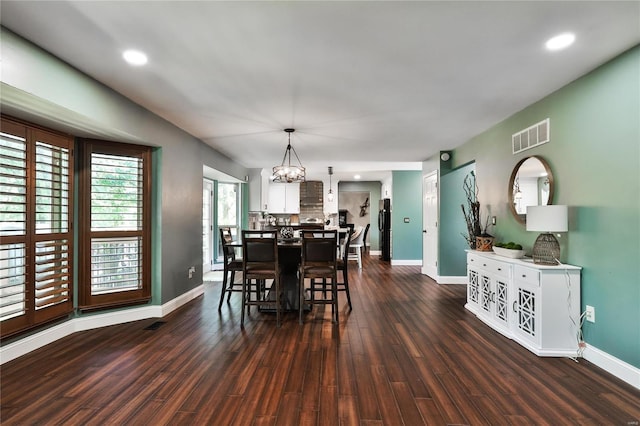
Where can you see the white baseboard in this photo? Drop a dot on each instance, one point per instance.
(400, 262)
(445, 279)
(613, 365)
(452, 280)
(88, 322)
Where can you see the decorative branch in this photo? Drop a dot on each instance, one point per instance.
(472, 213)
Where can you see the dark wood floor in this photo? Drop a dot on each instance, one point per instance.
(408, 354)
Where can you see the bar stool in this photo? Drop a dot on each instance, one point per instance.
(232, 264)
(319, 249)
(260, 263)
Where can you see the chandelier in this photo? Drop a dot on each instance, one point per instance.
(287, 172)
(330, 193)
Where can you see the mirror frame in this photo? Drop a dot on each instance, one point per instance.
(522, 218)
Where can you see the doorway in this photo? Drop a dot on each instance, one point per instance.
(430, 225)
(221, 208)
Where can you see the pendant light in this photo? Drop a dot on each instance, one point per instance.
(330, 193)
(287, 172)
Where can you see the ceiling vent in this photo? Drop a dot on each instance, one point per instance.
(532, 136)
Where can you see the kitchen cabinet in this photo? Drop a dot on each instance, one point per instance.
(259, 191)
(538, 306)
(284, 198)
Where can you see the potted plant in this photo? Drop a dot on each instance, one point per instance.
(477, 237)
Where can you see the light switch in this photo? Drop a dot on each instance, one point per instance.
(406, 220)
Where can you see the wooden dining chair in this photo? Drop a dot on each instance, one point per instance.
(364, 239)
(232, 264)
(260, 264)
(318, 262)
(342, 265)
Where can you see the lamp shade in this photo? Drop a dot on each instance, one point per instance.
(548, 218)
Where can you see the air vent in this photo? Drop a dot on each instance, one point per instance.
(531, 136)
(156, 325)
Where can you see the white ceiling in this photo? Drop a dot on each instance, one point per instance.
(363, 83)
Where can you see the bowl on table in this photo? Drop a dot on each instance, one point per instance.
(514, 254)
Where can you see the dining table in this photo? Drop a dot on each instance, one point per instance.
(289, 258)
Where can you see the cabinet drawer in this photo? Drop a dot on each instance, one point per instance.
(488, 265)
(497, 268)
(528, 275)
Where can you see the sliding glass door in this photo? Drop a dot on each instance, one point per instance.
(207, 225)
(220, 208)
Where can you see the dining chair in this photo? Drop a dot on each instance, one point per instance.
(355, 248)
(259, 264)
(318, 262)
(232, 264)
(364, 239)
(342, 265)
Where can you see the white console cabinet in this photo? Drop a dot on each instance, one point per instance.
(538, 306)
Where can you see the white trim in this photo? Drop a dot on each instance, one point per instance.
(452, 280)
(448, 280)
(375, 252)
(88, 322)
(613, 365)
(406, 262)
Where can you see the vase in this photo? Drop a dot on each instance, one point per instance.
(484, 243)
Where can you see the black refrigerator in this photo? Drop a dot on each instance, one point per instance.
(384, 225)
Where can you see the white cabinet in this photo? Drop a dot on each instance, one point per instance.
(537, 306)
(259, 191)
(284, 198)
(489, 285)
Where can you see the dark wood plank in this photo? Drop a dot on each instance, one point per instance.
(408, 353)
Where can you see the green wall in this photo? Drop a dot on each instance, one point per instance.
(594, 154)
(406, 237)
(451, 259)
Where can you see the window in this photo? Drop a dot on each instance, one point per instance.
(115, 219)
(36, 177)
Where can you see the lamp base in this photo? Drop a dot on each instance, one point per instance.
(546, 250)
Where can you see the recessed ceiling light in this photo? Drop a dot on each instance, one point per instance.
(135, 57)
(561, 41)
(356, 176)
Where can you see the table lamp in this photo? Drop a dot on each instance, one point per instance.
(547, 219)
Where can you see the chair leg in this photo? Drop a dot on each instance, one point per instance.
(359, 251)
(244, 298)
(301, 302)
(345, 277)
(233, 281)
(224, 289)
(276, 283)
(334, 295)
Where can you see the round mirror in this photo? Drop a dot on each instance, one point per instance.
(531, 184)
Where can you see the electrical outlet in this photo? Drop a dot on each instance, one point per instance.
(590, 314)
(493, 220)
(192, 271)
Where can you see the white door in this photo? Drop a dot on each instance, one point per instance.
(430, 225)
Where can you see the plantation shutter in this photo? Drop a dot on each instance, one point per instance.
(116, 220)
(36, 178)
